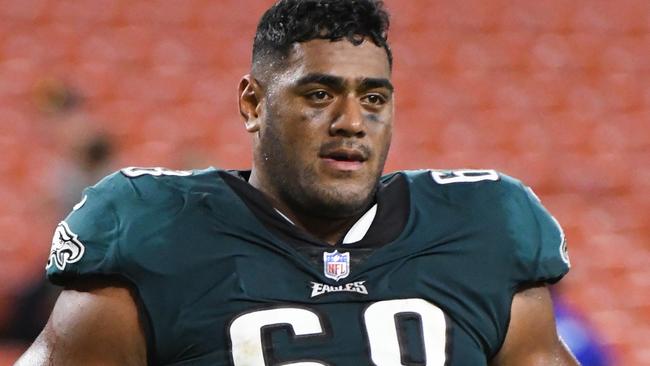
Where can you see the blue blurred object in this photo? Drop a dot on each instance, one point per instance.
(579, 336)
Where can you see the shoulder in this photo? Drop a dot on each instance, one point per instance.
(481, 195)
(117, 213)
(136, 188)
(482, 198)
(494, 190)
(468, 186)
(145, 182)
(158, 199)
(496, 206)
(445, 177)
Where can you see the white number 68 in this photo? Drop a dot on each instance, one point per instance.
(380, 322)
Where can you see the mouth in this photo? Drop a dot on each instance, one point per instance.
(345, 155)
(344, 159)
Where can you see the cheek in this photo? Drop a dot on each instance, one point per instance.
(383, 135)
(306, 128)
(373, 118)
(315, 122)
(301, 138)
(310, 115)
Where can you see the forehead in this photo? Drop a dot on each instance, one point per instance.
(339, 58)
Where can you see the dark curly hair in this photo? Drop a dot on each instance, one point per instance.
(291, 21)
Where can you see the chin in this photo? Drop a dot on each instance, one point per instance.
(339, 210)
(328, 196)
(337, 203)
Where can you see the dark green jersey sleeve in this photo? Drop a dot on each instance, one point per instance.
(515, 234)
(108, 231)
(542, 254)
(138, 225)
(86, 241)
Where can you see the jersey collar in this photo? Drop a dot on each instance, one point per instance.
(382, 223)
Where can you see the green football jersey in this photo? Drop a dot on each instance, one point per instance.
(226, 280)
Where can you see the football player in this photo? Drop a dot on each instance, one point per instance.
(312, 257)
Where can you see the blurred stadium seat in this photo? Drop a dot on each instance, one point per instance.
(554, 92)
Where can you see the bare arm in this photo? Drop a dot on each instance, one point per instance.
(93, 323)
(532, 338)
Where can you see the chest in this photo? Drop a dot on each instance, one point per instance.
(250, 301)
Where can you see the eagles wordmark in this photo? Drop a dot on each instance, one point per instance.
(318, 289)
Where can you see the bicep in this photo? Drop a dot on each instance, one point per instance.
(532, 338)
(92, 323)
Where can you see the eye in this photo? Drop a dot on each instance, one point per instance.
(374, 99)
(319, 96)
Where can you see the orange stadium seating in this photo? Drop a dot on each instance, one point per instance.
(554, 92)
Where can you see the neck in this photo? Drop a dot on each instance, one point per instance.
(329, 230)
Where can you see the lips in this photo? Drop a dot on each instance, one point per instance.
(345, 155)
(345, 159)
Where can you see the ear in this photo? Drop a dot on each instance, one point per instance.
(250, 97)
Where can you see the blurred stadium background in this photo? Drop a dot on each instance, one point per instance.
(554, 92)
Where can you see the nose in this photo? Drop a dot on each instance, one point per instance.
(349, 121)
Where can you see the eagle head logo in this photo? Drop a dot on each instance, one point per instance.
(66, 248)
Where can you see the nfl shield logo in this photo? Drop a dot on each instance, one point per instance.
(336, 265)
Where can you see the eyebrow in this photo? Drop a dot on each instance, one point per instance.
(338, 83)
(376, 83)
(334, 82)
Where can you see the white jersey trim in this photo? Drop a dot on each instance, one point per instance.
(361, 227)
(357, 231)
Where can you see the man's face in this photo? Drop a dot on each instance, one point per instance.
(325, 127)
